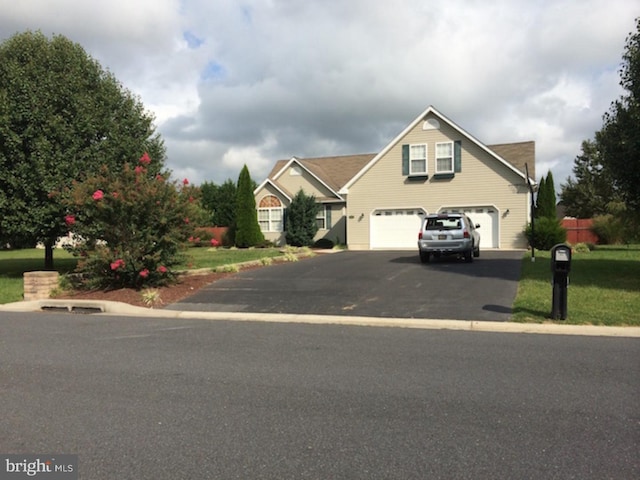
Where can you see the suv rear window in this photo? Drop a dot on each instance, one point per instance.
(443, 223)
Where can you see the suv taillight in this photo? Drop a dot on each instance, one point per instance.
(420, 235)
(465, 234)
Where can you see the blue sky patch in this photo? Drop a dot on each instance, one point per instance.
(192, 40)
(213, 71)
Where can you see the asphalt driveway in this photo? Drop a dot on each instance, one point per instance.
(373, 284)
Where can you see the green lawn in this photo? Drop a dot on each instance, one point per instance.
(13, 263)
(604, 287)
(212, 258)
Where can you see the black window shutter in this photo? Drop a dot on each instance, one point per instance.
(457, 156)
(284, 219)
(405, 159)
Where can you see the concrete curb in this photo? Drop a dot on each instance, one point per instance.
(124, 309)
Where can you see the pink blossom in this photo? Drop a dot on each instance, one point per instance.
(159, 178)
(115, 194)
(185, 182)
(69, 220)
(214, 242)
(97, 195)
(139, 169)
(117, 264)
(145, 159)
(162, 269)
(144, 273)
(186, 220)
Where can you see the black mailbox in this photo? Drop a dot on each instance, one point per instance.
(561, 258)
(560, 267)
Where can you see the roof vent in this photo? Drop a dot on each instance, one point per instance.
(431, 124)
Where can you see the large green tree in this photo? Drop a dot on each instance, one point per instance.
(619, 139)
(220, 202)
(62, 117)
(593, 189)
(247, 231)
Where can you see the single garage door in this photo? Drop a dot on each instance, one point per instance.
(395, 228)
(487, 217)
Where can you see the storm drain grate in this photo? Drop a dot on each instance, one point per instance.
(71, 309)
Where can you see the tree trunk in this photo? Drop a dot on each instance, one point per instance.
(48, 256)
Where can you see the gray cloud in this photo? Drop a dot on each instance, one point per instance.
(255, 82)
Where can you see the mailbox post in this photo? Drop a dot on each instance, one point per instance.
(560, 267)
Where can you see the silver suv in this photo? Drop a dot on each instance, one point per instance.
(448, 234)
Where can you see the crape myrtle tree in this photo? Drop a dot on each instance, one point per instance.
(62, 118)
(247, 229)
(131, 226)
(302, 225)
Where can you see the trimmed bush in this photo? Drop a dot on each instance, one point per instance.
(548, 232)
(301, 220)
(609, 228)
(323, 243)
(247, 230)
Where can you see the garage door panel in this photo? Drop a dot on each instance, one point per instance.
(487, 217)
(395, 229)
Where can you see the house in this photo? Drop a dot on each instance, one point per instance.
(376, 201)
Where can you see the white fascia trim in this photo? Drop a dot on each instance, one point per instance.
(345, 190)
(274, 185)
(285, 166)
(295, 160)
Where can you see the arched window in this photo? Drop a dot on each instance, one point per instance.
(270, 214)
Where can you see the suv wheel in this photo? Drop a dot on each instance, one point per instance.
(468, 256)
(476, 252)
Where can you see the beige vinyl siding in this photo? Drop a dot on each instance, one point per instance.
(336, 231)
(309, 184)
(483, 181)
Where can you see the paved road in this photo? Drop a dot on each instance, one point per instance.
(150, 398)
(376, 284)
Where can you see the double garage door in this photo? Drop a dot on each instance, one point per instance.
(398, 228)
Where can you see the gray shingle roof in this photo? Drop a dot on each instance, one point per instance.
(517, 154)
(336, 171)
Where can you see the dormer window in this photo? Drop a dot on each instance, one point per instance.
(417, 159)
(444, 157)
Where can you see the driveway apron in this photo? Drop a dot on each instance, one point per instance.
(373, 284)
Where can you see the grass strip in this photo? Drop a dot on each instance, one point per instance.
(604, 288)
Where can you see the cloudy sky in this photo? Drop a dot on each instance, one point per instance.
(234, 82)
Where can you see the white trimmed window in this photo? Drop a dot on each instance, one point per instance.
(323, 218)
(417, 159)
(444, 157)
(270, 214)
